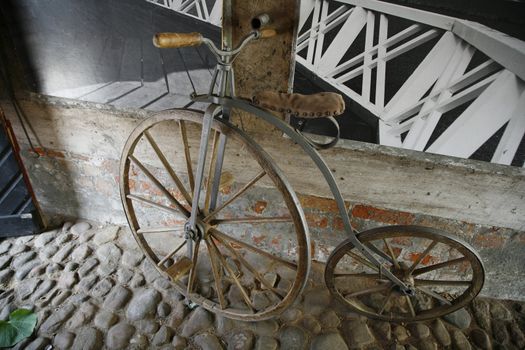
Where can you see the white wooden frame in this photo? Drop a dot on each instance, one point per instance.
(493, 91)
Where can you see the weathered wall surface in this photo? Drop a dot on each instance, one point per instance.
(77, 175)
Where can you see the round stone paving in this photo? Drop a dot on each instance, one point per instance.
(92, 289)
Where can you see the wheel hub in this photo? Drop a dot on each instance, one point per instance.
(403, 273)
(200, 231)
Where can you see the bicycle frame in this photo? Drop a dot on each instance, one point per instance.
(224, 99)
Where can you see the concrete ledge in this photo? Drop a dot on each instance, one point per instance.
(454, 188)
(77, 175)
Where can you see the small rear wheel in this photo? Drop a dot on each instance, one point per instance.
(445, 272)
(250, 256)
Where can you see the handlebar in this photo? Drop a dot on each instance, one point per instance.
(176, 40)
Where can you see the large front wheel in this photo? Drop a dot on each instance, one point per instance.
(249, 257)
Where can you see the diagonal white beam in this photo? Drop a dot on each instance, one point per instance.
(305, 9)
(486, 115)
(467, 95)
(381, 62)
(343, 40)
(512, 136)
(401, 49)
(313, 33)
(424, 125)
(320, 34)
(423, 76)
(471, 77)
(216, 13)
(369, 42)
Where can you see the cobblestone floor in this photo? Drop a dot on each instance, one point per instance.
(92, 289)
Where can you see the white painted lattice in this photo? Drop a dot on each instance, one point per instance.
(208, 11)
(489, 94)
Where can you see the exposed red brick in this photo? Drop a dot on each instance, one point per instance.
(260, 206)
(145, 186)
(258, 239)
(318, 203)
(338, 224)
(403, 241)
(132, 185)
(47, 152)
(395, 250)
(315, 220)
(489, 240)
(172, 222)
(426, 260)
(382, 215)
(177, 194)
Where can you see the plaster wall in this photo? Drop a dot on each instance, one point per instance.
(76, 174)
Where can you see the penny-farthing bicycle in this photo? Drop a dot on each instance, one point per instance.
(214, 213)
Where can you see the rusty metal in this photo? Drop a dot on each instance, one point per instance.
(298, 261)
(396, 306)
(396, 281)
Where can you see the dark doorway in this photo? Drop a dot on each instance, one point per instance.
(18, 213)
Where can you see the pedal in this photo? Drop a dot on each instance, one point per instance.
(180, 268)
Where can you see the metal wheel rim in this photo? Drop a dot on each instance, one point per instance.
(416, 231)
(302, 236)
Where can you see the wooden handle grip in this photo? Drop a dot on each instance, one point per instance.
(174, 40)
(268, 33)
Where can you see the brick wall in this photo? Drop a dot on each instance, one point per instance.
(77, 176)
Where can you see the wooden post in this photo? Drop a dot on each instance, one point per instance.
(266, 64)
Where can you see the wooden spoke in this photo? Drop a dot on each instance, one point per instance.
(171, 254)
(421, 282)
(210, 171)
(282, 261)
(433, 295)
(423, 270)
(244, 294)
(370, 290)
(168, 167)
(159, 186)
(187, 155)
(235, 196)
(182, 262)
(387, 299)
(249, 267)
(216, 275)
(379, 252)
(422, 256)
(410, 306)
(160, 229)
(362, 260)
(155, 205)
(251, 220)
(391, 252)
(193, 271)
